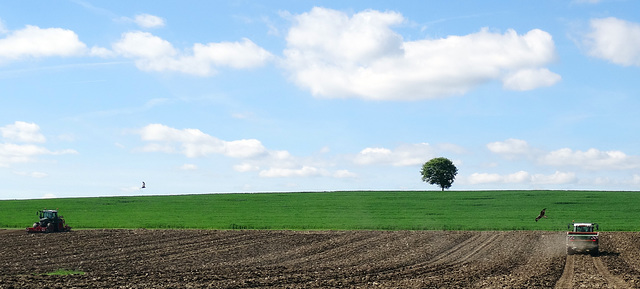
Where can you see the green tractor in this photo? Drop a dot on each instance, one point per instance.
(49, 222)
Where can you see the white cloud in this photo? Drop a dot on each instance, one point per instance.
(238, 55)
(28, 133)
(522, 177)
(600, 181)
(592, 159)
(510, 147)
(556, 178)
(615, 40)
(334, 55)
(344, 174)
(517, 177)
(255, 157)
(403, 155)
(152, 53)
(280, 164)
(484, 178)
(305, 171)
(244, 148)
(101, 52)
(277, 164)
(194, 143)
(332, 36)
(21, 131)
(528, 79)
(143, 45)
(33, 41)
(148, 21)
(16, 153)
(374, 155)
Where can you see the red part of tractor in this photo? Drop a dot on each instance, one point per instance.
(49, 222)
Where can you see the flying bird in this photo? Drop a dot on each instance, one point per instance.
(541, 214)
(144, 186)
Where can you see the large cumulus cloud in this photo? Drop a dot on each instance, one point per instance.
(333, 54)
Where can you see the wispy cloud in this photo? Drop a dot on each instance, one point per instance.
(24, 151)
(404, 155)
(152, 53)
(149, 21)
(95, 9)
(592, 159)
(522, 177)
(254, 156)
(150, 104)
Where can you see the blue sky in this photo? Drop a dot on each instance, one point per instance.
(247, 96)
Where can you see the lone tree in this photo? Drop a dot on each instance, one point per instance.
(440, 171)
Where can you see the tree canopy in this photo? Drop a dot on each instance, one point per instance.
(439, 171)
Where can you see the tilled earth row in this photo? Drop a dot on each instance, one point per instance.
(314, 259)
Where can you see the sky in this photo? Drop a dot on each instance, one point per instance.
(288, 96)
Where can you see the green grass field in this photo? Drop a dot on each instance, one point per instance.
(356, 210)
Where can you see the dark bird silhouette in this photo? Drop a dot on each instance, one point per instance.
(144, 186)
(541, 214)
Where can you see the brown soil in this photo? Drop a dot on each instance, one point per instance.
(291, 259)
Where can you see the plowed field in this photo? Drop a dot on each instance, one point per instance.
(315, 259)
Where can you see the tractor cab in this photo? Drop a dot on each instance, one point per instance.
(48, 214)
(583, 227)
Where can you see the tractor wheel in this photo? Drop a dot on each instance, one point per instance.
(50, 228)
